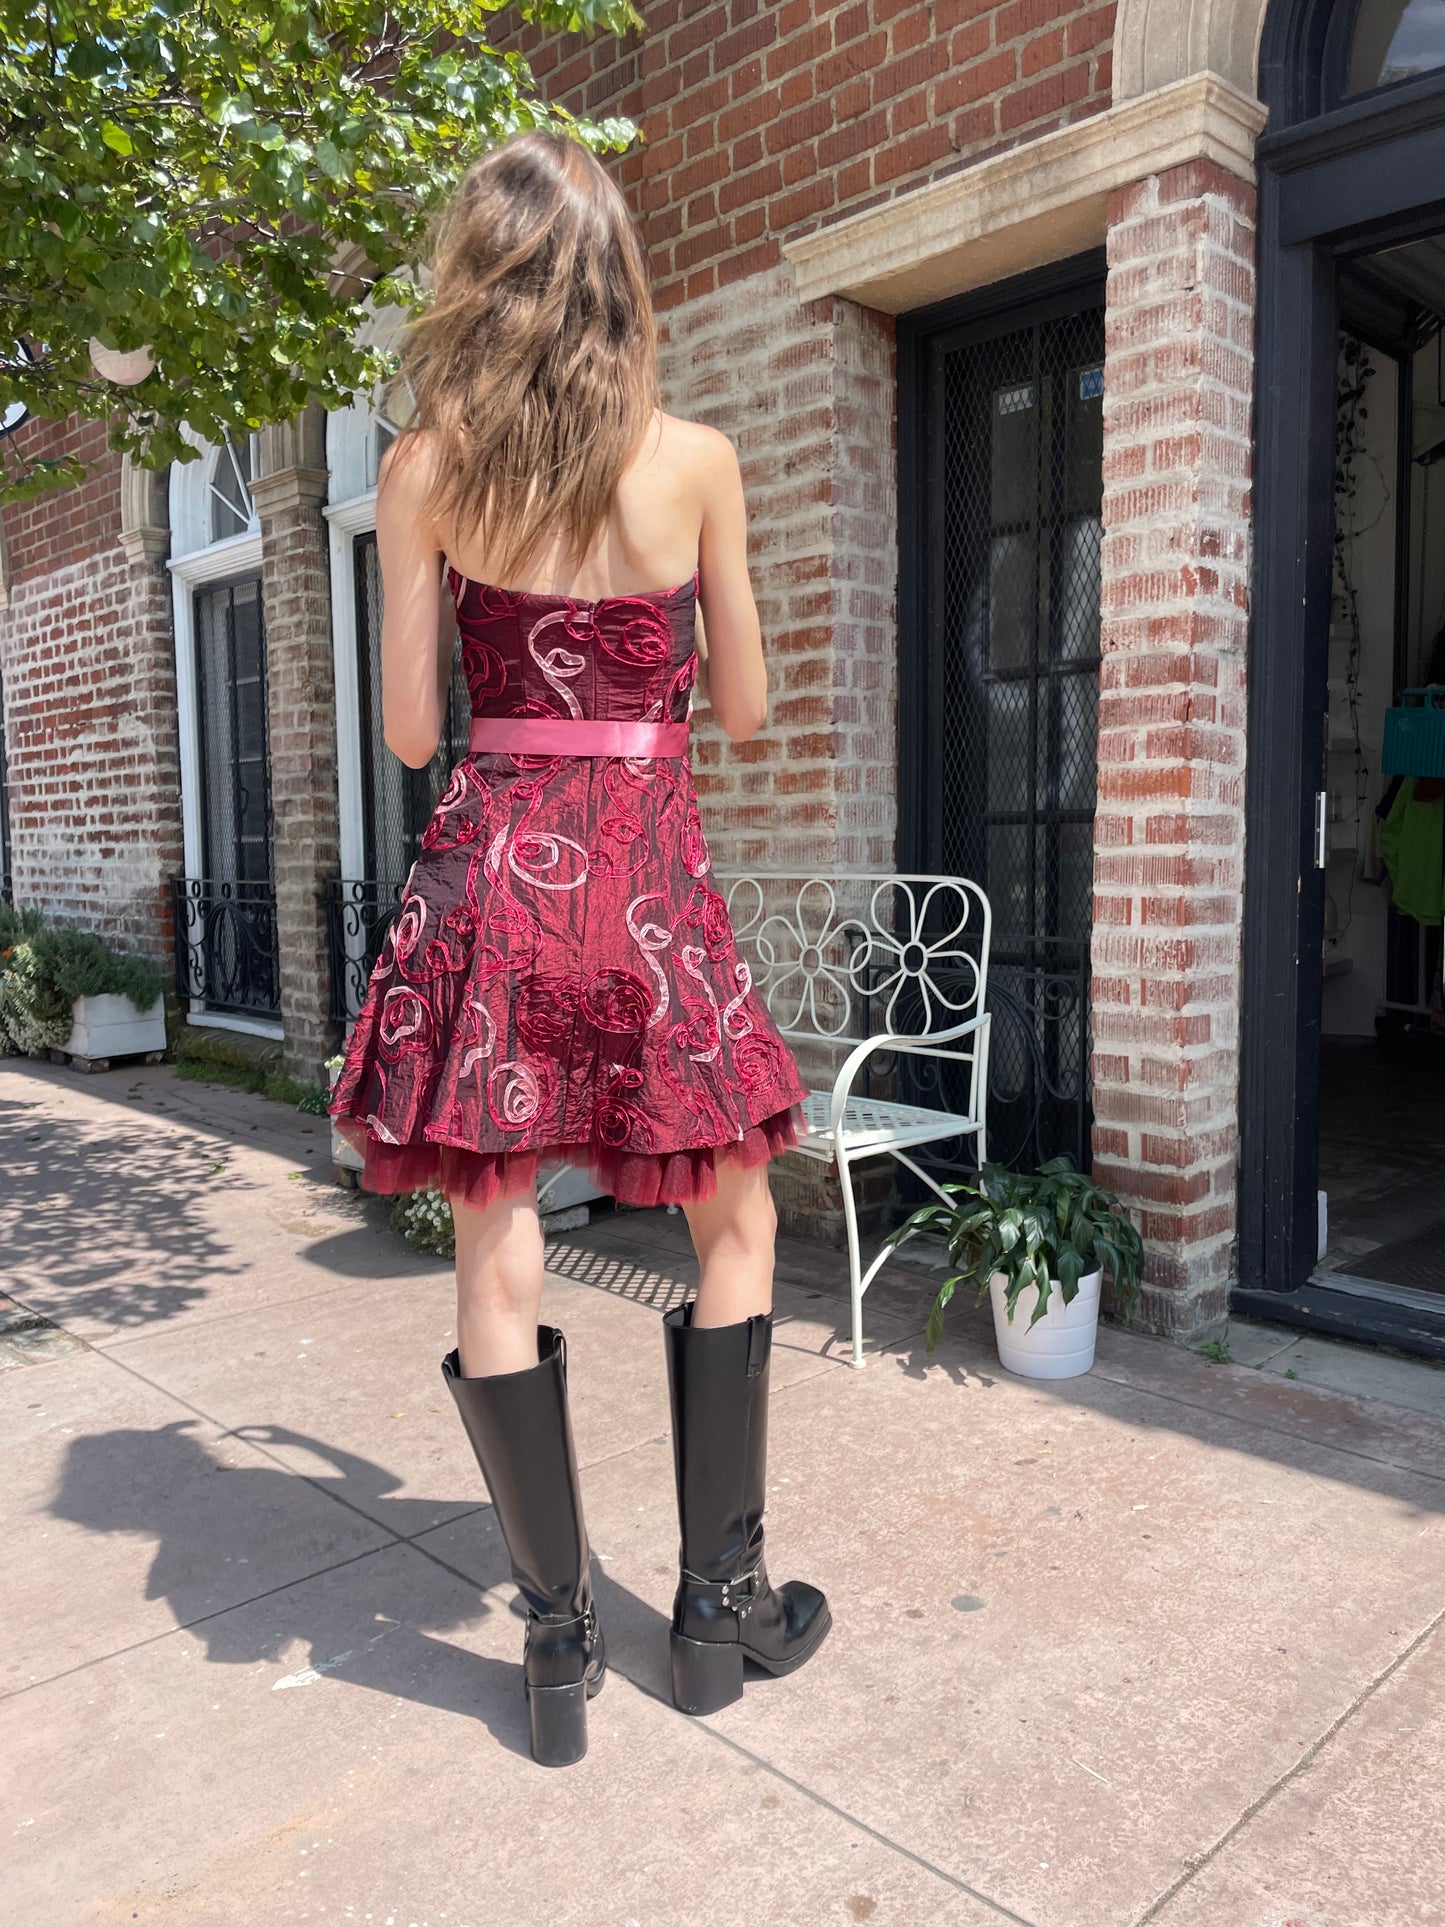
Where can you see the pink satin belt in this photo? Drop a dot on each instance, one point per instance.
(582, 736)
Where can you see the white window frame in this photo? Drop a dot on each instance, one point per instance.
(345, 521)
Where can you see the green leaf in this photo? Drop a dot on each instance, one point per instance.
(116, 138)
(331, 160)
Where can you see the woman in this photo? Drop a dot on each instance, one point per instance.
(562, 981)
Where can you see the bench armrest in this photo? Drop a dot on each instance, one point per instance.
(913, 1046)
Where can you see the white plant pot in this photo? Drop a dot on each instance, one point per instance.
(1061, 1344)
(113, 1027)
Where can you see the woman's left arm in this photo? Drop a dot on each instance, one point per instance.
(416, 641)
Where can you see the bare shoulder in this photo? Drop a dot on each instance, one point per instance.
(695, 446)
(694, 463)
(407, 470)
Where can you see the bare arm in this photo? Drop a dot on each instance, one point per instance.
(736, 678)
(416, 631)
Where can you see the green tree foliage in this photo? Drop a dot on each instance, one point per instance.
(184, 178)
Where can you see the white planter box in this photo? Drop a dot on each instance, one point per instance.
(113, 1027)
(561, 1186)
(344, 1156)
(1061, 1344)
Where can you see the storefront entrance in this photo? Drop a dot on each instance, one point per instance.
(1343, 1102)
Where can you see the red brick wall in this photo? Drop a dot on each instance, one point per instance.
(1169, 834)
(54, 530)
(90, 724)
(765, 120)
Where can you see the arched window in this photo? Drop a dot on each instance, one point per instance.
(1395, 40)
(233, 512)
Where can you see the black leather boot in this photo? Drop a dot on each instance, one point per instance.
(726, 1610)
(521, 1432)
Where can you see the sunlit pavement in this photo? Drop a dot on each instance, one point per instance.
(1163, 1643)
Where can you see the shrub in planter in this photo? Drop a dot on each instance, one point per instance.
(1039, 1237)
(44, 971)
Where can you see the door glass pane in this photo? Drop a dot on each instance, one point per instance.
(235, 754)
(1395, 40)
(1008, 746)
(1078, 757)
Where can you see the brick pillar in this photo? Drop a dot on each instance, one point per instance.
(302, 711)
(1169, 834)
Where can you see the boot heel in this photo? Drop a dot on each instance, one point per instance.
(559, 1723)
(705, 1677)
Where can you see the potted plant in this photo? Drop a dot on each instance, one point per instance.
(1037, 1243)
(67, 990)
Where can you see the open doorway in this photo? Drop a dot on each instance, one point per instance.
(1382, 1015)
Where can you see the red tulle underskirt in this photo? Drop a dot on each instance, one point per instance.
(631, 1177)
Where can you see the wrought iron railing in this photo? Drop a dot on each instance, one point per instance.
(227, 951)
(359, 912)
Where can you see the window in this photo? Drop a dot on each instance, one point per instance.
(233, 512)
(1396, 40)
(235, 764)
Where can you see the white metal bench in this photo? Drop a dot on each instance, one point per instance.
(861, 964)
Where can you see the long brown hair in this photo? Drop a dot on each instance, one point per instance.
(534, 370)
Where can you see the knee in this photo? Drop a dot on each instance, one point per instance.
(495, 1290)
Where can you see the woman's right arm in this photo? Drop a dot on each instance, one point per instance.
(415, 642)
(737, 677)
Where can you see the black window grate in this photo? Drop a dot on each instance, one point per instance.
(1005, 713)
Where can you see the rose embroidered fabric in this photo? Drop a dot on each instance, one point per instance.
(562, 981)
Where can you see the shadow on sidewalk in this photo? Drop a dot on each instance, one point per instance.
(115, 1222)
(364, 1621)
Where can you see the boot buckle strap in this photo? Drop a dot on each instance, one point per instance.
(738, 1594)
(586, 1619)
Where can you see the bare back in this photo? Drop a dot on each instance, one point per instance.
(678, 508)
(652, 539)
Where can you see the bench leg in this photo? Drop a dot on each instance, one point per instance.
(855, 1261)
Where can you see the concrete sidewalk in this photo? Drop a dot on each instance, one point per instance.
(1165, 1643)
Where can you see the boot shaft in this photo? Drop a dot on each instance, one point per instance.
(520, 1429)
(718, 1380)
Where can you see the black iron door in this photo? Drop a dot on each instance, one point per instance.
(1001, 659)
(230, 911)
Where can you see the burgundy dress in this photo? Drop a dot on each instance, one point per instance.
(562, 981)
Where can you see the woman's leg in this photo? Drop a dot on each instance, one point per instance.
(509, 1379)
(733, 1233)
(499, 1284)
